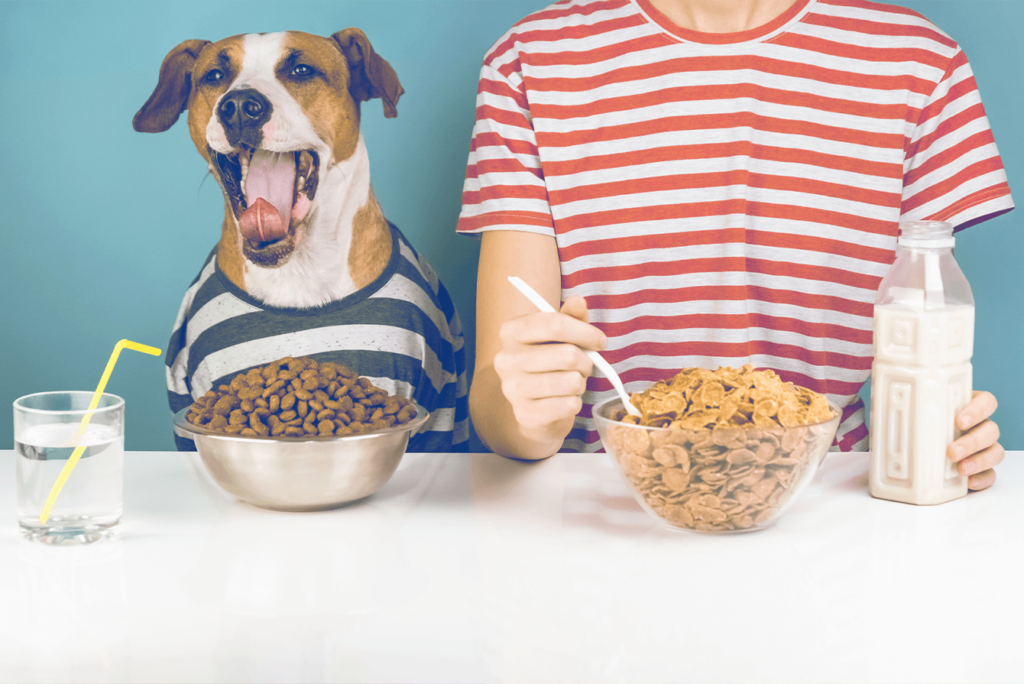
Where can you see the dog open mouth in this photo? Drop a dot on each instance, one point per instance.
(270, 195)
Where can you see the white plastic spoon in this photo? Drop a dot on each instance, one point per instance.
(605, 367)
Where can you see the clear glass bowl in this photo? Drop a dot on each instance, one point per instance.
(718, 481)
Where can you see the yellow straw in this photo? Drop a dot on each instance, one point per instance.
(77, 453)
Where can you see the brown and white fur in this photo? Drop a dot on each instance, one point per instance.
(308, 91)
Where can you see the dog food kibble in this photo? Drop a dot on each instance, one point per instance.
(299, 397)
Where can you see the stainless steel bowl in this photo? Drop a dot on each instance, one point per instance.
(301, 474)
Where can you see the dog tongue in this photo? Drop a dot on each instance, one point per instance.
(268, 193)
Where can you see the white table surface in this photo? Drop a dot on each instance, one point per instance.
(473, 568)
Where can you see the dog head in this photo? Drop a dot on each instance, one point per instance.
(272, 114)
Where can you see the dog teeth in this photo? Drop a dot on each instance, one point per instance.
(304, 161)
(243, 162)
(301, 184)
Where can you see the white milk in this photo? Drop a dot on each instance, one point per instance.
(920, 377)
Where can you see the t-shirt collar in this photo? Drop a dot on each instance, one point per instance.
(757, 34)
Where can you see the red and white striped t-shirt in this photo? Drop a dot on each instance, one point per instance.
(722, 199)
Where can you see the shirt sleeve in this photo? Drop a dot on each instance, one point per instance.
(448, 428)
(460, 387)
(179, 390)
(952, 170)
(504, 188)
(179, 386)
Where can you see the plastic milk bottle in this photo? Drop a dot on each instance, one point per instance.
(921, 375)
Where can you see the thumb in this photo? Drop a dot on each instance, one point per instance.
(576, 307)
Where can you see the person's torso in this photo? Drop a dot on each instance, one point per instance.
(724, 203)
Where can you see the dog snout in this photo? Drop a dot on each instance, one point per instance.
(243, 113)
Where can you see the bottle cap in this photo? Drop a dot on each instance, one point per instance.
(926, 234)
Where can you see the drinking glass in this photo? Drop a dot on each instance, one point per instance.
(46, 427)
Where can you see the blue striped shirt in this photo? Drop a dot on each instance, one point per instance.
(401, 331)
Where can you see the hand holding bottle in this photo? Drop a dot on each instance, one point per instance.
(977, 452)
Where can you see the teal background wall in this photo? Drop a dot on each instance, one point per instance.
(103, 228)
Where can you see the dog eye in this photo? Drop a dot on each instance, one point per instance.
(213, 76)
(302, 70)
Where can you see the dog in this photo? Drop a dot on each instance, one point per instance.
(306, 264)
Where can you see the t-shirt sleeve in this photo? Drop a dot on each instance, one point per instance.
(504, 188)
(179, 390)
(448, 428)
(440, 383)
(952, 169)
(460, 386)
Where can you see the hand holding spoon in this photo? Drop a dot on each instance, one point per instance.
(604, 366)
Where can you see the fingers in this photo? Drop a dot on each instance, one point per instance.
(540, 414)
(981, 461)
(541, 390)
(981, 480)
(543, 384)
(536, 386)
(543, 358)
(981, 406)
(977, 452)
(975, 440)
(540, 328)
(543, 366)
(575, 307)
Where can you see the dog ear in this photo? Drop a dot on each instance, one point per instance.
(371, 75)
(170, 97)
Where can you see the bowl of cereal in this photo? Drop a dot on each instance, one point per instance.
(298, 435)
(718, 452)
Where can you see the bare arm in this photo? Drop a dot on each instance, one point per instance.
(530, 369)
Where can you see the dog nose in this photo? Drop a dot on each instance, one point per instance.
(243, 113)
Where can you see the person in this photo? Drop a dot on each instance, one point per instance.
(710, 183)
